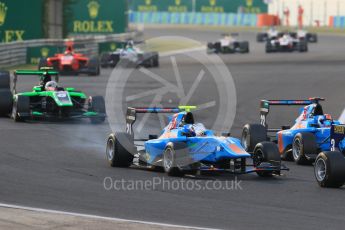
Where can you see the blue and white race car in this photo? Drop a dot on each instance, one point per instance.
(130, 56)
(186, 147)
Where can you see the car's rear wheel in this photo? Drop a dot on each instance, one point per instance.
(266, 153)
(21, 107)
(98, 106)
(120, 150)
(252, 134)
(94, 67)
(304, 144)
(329, 169)
(6, 98)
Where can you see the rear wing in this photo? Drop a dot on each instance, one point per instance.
(43, 71)
(337, 137)
(131, 115)
(265, 106)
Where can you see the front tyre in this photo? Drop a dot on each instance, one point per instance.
(266, 153)
(303, 144)
(21, 108)
(329, 169)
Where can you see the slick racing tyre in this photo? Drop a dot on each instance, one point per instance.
(6, 98)
(97, 105)
(244, 47)
(21, 107)
(94, 67)
(175, 156)
(303, 144)
(266, 153)
(329, 169)
(252, 134)
(6, 101)
(120, 150)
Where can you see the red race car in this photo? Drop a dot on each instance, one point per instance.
(71, 62)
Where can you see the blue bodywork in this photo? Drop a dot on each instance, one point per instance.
(311, 119)
(205, 147)
(203, 150)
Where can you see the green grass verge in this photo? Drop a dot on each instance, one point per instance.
(166, 44)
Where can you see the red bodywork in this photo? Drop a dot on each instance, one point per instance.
(69, 61)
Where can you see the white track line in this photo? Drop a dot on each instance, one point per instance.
(2, 205)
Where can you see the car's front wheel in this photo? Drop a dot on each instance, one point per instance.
(266, 153)
(329, 169)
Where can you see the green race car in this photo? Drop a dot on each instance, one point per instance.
(49, 100)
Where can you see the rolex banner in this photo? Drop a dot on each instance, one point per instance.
(162, 6)
(95, 16)
(203, 6)
(231, 6)
(20, 20)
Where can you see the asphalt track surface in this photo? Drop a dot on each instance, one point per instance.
(61, 166)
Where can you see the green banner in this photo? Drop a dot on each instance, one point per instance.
(110, 46)
(204, 6)
(34, 54)
(20, 20)
(162, 5)
(95, 16)
(231, 6)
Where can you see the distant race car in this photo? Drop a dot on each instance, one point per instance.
(130, 56)
(228, 44)
(273, 33)
(49, 100)
(71, 62)
(186, 147)
(304, 140)
(6, 98)
(286, 43)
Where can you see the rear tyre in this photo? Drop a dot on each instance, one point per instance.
(329, 169)
(303, 144)
(175, 156)
(120, 150)
(21, 107)
(6, 102)
(244, 47)
(266, 152)
(303, 46)
(155, 59)
(252, 134)
(6, 98)
(268, 47)
(94, 67)
(98, 106)
(260, 37)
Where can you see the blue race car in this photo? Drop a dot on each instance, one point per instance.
(186, 147)
(304, 140)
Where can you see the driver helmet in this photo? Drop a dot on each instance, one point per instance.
(130, 44)
(51, 86)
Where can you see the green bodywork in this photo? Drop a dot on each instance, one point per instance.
(65, 101)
